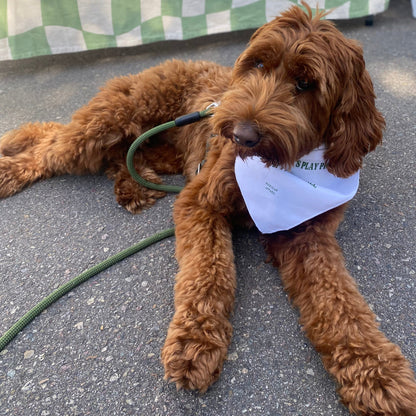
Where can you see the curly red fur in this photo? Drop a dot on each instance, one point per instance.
(299, 84)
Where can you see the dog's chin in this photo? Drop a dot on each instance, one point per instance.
(270, 160)
(271, 151)
(271, 156)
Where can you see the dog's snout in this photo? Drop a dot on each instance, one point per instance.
(246, 134)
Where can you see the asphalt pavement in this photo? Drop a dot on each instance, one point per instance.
(97, 350)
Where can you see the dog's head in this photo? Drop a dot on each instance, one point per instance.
(301, 84)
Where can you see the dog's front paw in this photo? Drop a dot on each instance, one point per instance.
(134, 197)
(194, 352)
(380, 387)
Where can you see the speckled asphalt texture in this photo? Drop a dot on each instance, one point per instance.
(96, 351)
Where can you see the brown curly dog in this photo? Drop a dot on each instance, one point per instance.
(300, 85)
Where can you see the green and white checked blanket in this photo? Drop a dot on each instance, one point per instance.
(42, 27)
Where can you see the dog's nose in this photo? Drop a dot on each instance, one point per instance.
(246, 134)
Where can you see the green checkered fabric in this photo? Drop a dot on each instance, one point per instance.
(42, 27)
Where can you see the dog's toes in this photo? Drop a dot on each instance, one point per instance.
(195, 350)
(134, 197)
(192, 365)
(383, 401)
(386, 390)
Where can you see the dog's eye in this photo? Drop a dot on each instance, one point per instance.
(303, 85)
(259, 64)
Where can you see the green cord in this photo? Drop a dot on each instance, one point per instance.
(87, 274)
(83, 277)
(130, 160)
(179, 122)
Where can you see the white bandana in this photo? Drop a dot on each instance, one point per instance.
(279, 200)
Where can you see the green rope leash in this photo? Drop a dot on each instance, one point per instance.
(83, 277)
(179, 122)
(10, 334)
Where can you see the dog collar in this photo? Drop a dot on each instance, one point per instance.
(279, 200)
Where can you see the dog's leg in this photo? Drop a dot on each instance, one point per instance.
(19, 153)
(130, 194)
(373, 375)
(119, 113)
(42, 150)
(200, 331)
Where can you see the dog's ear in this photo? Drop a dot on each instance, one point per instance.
(356, 126)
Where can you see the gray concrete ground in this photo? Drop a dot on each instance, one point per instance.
(96, 351)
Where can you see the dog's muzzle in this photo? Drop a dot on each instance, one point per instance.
(246, 134)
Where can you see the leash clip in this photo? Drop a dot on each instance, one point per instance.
(212, 105)
(209, 111)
